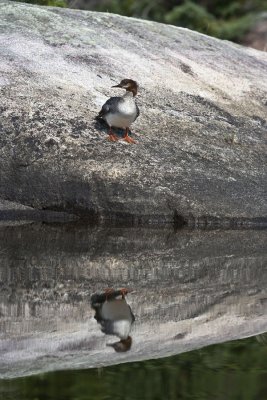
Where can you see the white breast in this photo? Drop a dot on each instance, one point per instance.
(119, 121)
(122, 328)
(127, 107)
(125, 114)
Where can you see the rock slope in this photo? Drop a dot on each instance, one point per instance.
(201, 152)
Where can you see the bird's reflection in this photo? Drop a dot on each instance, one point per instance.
(115, 316)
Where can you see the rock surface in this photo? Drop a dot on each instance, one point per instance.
(190, 289)
(201, 152)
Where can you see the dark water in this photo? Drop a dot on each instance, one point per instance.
(230, 371)
(193, 295)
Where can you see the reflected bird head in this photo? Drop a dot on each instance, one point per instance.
(122, 346)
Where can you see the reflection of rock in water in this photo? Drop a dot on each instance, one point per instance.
(115, 317)
(191, 289)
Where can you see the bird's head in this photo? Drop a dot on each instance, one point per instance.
(123, 345)
(129, 85)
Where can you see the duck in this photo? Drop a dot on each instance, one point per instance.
(115, 317)
(121, 112)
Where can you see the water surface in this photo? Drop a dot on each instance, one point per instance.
(189, 289)
(232, 371)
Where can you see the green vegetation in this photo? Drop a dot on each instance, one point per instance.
(225, 19)
(52, 3)
(221, 24)
(229, 371)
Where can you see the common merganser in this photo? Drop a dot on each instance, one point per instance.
(121, 112)
(115, 316)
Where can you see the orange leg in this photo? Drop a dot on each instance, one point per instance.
(111, 136)
(127, 138)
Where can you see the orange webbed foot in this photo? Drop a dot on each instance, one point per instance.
(128, 139)
(112, 137)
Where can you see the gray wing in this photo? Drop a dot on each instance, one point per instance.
(137, 111)
(109, 106)
(107, 326)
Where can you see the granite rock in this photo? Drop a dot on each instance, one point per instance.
(201, 152)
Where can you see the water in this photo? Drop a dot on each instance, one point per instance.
(188, 290)
(232, 371)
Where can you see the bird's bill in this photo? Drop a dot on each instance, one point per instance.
(119, 85)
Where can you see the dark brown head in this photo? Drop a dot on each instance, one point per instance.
(123, 345)
(129, 85)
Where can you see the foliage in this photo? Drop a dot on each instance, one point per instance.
(190, 15)
(52, 3)
(232, 371)
(225, 23)
(225, 19)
